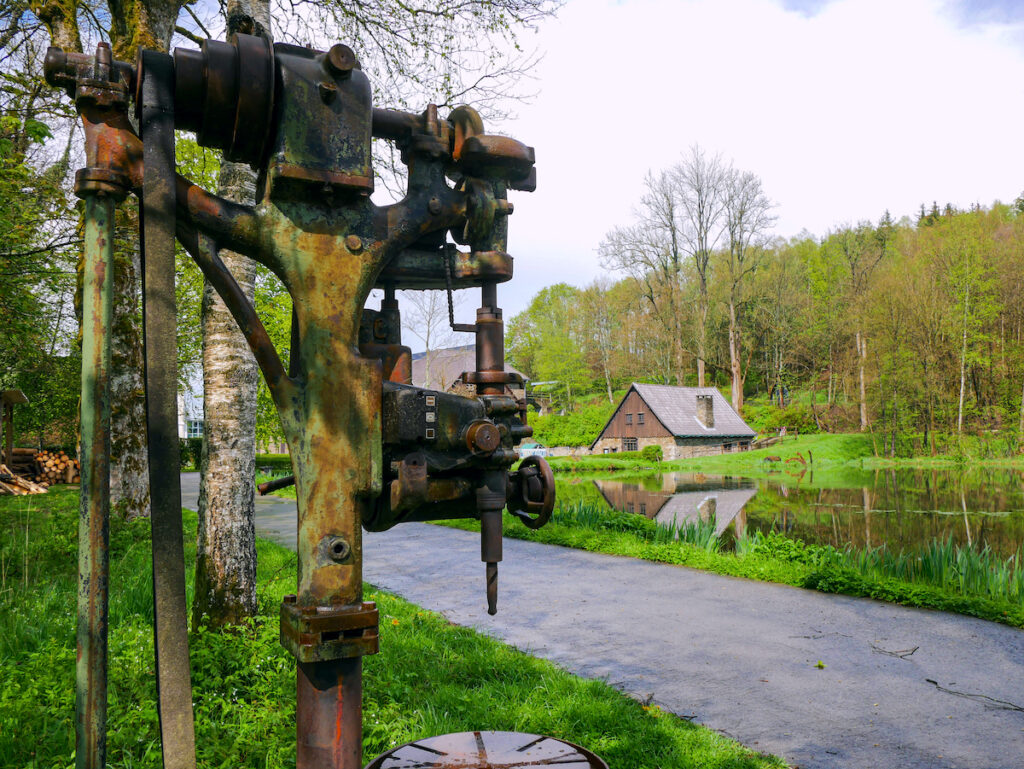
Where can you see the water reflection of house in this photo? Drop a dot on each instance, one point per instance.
(682, 498)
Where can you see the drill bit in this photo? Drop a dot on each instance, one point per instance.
(492, 588)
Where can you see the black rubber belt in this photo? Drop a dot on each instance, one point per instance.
(173, 676)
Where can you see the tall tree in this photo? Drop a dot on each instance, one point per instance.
(747, 220)
(651, 252)
(860, 250)
(225, 578)
(700, 187)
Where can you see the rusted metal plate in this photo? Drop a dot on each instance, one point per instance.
(487, 750)
(426, 269)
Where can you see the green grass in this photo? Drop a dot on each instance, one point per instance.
(430, 678)
(941, 576)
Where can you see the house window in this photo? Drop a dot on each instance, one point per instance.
(629, 419)
(629, 444)
(629, 507)
(640, 418)
(643, 508)
(194, 428)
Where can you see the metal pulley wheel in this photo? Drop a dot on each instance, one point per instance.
(487, 750)
(533, 492)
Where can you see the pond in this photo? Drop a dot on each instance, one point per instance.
(898, 508)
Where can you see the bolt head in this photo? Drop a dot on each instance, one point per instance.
(483, 437)
(434, 206)
(340, 60)
(354, 243)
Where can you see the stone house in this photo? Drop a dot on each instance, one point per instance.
(684, 421)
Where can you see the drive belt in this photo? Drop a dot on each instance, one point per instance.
(157, 224)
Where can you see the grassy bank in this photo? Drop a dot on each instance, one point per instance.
(430, 678)
(940, 577)
(827, 455)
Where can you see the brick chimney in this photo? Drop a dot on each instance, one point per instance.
(706, 410)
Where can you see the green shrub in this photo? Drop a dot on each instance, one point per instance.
(191, 451)
(652, 453)
(276, 464)
(577, 428)
(794, 417)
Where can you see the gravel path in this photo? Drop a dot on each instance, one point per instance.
(736, 655)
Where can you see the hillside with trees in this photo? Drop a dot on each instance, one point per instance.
(911, 329)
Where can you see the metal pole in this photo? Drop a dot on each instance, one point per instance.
(94, 512)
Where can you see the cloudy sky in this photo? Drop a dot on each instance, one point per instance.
(844, 109)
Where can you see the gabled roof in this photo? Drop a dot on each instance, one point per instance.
(686, 506)
(446, 366)
(676, 408)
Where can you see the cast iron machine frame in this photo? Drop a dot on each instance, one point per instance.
(368, 449)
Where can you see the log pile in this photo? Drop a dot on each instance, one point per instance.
(13, 484)
(56, 467)
(23, 462)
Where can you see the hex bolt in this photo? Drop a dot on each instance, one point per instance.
(340, 60)
(353, 243)
(338, 549)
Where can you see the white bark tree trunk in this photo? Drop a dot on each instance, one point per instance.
(225, 582)
(129, 462)
(735, 366)
(225, 588)
(963, 367)
(862, 354)
(702, 332)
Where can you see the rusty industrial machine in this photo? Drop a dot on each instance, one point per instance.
(368, 449)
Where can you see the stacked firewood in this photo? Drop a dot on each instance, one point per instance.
(56, 467)
(11, 483)
(23, 462)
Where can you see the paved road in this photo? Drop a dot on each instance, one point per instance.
(735, 655)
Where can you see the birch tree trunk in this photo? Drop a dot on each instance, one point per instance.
(862, 353)
(734, 358)
(963, 367)
(225, 581)
(702, 332)
(129, 461)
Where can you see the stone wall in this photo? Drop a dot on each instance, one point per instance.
(672, 448)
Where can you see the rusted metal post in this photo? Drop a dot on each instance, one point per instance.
(94, 513)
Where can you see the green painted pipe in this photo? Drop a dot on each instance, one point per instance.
(94, 513)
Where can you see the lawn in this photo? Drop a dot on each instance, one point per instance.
(431, 677)
(832, 457)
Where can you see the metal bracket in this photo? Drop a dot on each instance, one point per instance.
(320, 633)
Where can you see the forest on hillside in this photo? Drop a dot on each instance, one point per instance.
(908, 328)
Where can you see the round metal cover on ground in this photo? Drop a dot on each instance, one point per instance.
(487, 750)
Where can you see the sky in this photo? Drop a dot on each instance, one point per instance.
(844, 108)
